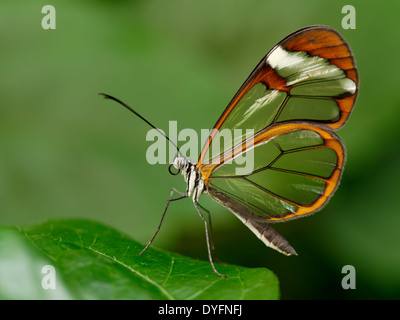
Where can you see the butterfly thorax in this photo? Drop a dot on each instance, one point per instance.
(193, 178)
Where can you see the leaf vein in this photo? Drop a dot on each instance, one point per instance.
(146, 278)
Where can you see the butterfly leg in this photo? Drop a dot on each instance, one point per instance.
(211, 233)
(170, 199)
(196, 205)
(178, 192)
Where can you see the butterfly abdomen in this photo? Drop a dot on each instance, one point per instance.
(259, 226)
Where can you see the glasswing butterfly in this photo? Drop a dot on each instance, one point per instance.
(297, 96)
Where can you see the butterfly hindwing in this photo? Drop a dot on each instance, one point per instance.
(296, 169)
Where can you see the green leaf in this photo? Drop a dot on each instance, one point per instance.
(93, 261)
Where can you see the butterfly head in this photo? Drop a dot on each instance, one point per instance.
(181, 163)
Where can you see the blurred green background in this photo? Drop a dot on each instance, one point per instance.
(66, 152)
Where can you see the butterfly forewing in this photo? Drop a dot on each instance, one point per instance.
(309, 76)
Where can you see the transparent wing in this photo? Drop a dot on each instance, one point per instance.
(310, 76)
(291, 170)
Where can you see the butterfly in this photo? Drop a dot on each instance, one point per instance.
(302, 91)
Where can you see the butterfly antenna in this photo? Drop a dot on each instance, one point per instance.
(141, 117)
